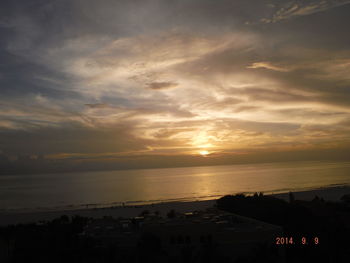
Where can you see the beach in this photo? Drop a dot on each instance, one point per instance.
(15, 217)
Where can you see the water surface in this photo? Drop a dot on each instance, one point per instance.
(106, 188)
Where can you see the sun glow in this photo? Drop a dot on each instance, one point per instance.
(203, 152)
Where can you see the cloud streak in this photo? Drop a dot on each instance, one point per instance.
(292, 9)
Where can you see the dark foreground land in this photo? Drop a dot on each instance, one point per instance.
(240, 229)
(314, 231)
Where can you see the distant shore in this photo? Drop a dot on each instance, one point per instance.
(6, 218)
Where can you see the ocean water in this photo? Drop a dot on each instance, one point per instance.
(110, 188)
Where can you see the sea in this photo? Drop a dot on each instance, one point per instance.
(97, 189)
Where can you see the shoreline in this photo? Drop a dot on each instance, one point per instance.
(333, 193)
(140, 203)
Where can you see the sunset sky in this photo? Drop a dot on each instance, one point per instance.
(109, 79)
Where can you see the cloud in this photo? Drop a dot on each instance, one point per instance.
(161, 85)
(302, 8)
(267, 65)
(68, 139)
(97, 105)
(273, 95)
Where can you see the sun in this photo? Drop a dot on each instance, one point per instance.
(203, 152)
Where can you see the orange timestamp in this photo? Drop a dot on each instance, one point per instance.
(293, 241)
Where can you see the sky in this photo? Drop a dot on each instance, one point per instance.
(173, 82)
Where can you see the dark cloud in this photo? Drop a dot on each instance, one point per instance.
(290, 9)
(52, 140)
(161, 85)
(97, 105)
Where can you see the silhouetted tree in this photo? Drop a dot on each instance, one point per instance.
(291, 197)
